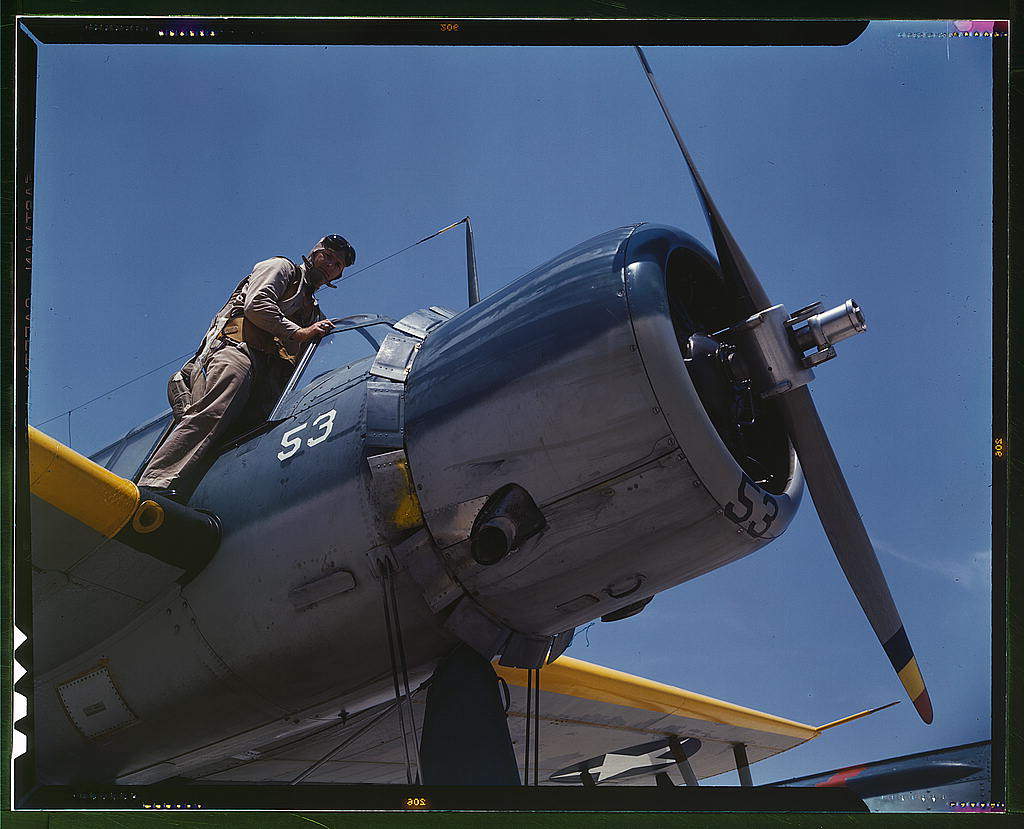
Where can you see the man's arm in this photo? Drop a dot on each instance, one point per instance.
(267, 287)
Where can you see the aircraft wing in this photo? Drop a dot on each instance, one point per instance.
(939, 776)
(585, 711)
(86, 584)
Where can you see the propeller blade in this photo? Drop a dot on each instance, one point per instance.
(849, 540)
(735, 266)
(831, 495)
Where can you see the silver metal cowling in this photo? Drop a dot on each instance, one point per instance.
(767, 515)
(570, 383)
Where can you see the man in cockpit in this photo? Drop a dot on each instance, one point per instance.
(244, 361)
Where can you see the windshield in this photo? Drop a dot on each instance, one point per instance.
(341, 348)
(126, 456)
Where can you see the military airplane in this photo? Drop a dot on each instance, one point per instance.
(379, 582)
(958, 778)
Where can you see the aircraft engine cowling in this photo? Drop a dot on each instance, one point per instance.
(592, 390)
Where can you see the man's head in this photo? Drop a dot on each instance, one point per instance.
(329, 257)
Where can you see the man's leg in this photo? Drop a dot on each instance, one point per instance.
(220, 388)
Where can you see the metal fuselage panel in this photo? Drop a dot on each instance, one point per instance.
(291, 526)
(533, 385)
(283, 628)
(570, 382)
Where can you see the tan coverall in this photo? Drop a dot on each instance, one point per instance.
(229, 378)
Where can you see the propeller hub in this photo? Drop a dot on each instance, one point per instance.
(821, 331)
(775, 342)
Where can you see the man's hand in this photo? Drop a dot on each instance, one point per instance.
(313, 332)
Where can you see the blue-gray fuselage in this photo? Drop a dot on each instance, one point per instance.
(569, 383)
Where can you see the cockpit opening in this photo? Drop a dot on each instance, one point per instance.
(355, 339)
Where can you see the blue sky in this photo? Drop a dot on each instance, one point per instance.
(164, 172)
